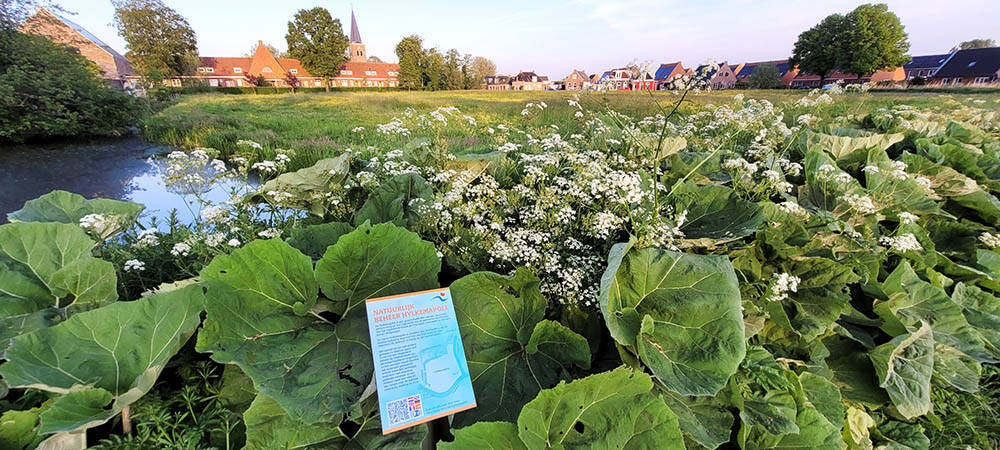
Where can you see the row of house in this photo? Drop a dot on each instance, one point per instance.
(260, 68)
(973, 67)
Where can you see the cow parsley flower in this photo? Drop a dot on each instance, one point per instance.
(233, 242)
(924, 182)
(826, 168)
(269, 233)
(146, 238)
(94, 222)
(907, 218)
(793, 209)
(215, 239)
(870, 169)
(990, 240)
(215, 214)
(783, 284)
(862, 203)
(902, 243)
(180, 249)
(134, 265)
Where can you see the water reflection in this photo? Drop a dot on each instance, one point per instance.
(121, 168)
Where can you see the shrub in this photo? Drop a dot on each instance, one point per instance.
(48, 90)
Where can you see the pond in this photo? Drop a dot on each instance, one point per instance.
(126, 168)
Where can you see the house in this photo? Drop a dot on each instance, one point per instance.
(618, 79)
(924, 66)
(667, 72)
(644, 81)
(280, 72)
(528, 81)
(720, 77)
(786, 72)
(807, 80)
(577, 81)
(498, 82)
(115, 68)
(972, 67)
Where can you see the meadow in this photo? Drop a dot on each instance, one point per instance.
(317, 125)
(749, 269)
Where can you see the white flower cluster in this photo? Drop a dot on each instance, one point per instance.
(95, 222)
(860, 203)
(990, 240)
(147, 238)
(907, 217)
(783, 284)
(180, 249)
(902, 243)
(269, 233)
(134, 265)
(215, 215)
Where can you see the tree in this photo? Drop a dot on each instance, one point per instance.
(975, 43)
(274, 51)
(766, 76)
(318, 40)
(433, 70)
(451, 73)
(410, 52)
(254, 81)
(818, 49)
(481, 68)
(49, 90)
(873, 39)
(292, 81)
(156, 37)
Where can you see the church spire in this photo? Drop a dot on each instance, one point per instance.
(355, 34)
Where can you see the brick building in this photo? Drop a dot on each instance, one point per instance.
(972, 67)
(721, 77)
(786, 73)
(808, 80)
(114, 67)
(619, 79)
(498, 82)
(924, 66)
(529, 81)
(667, 72)
(577, 81)
(644, 81)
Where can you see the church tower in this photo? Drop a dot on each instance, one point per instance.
(356, 50)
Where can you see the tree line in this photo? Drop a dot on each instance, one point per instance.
(429, 69)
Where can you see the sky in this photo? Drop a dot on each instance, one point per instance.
(554, 37)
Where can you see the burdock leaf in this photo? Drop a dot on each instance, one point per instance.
(904, 366)
(682, 312)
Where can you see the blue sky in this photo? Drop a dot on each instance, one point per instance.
(553, 37)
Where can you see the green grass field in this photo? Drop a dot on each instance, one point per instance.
(316, 125)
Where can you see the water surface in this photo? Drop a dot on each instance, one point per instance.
(126, 168)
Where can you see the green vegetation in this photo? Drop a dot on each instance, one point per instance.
(807, 271)
(868, 39)
(429, 69)
(158, 39)
(317, 39)
(766, 76)
(49, 91)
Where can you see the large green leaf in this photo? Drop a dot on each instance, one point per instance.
(821, 298)
(609, 410)
(716, 212)
(19, 430)
(313, 240)
(109, 355)
(67, 207)
(982, 311)
(391, 201)
(376, 261)
(47, 273)
(486, 435)
(902, 436)
(681, 311)
(702, 419)
(843, 146)
(512, 353)
(308, 187)
(264, 314)
(904, 366)
(268, 427)
(913, 302)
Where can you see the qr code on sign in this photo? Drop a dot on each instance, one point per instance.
(404, 409)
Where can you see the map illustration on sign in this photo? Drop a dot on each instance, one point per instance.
(420, 367)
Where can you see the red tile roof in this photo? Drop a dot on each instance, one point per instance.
(359, 69)
(223, 67)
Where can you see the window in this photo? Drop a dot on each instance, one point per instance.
(266, 70)
(944, 82)
(982, 80)
(210, 69)
(293, 71)
(213, 82)
(237, 70)
(346, 72)
(370, 73)
(201, 69)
